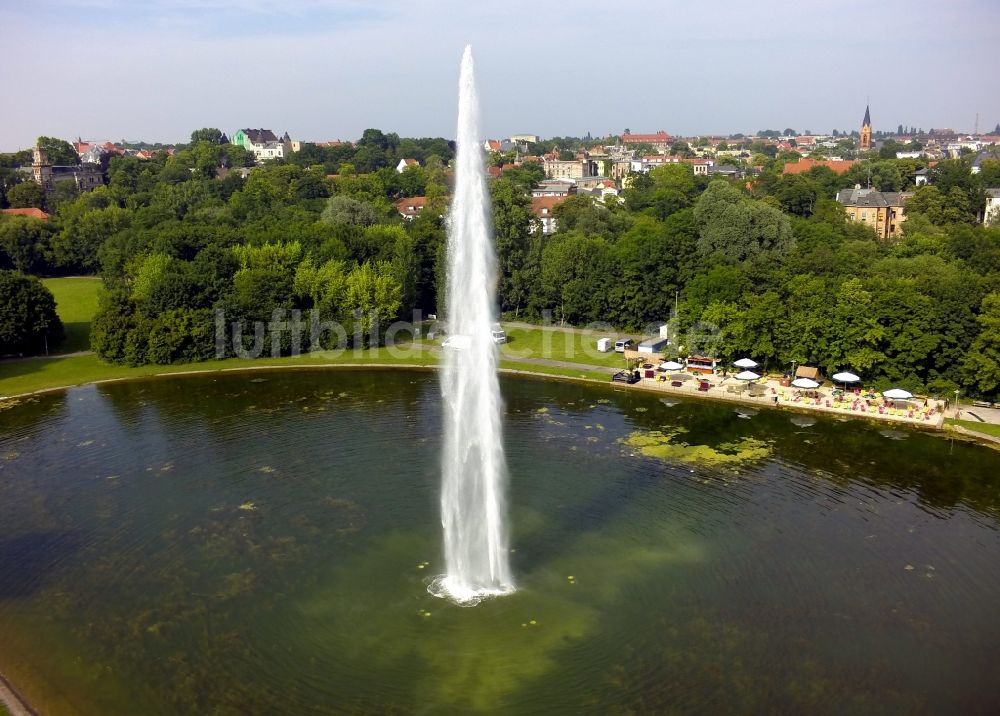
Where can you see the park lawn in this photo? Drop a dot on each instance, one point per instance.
(34, 374)
(559, 345)
(986, 428)
(4, 711)
(76, 304)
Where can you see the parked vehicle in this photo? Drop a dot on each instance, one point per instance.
(622, 344)
(498, 334)
(603, 345)
(457, 343)
(626, 376)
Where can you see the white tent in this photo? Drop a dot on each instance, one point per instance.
(747, 375)
(897, 394)
(745, 363)
(807, 383)
(845, 378)
(671, 365)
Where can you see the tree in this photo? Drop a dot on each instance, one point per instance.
(982, 364)
(28, 320)
(207, 134)
(373, 296)
(27, 194)
(345, 210)
(23, 243)
(738, 227)
(512, 222)
(59, 152)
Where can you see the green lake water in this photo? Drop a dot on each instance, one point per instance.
(261, 543)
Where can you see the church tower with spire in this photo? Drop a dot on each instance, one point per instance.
(866, 132)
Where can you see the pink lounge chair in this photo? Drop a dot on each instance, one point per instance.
(881, 410)
(828, 403)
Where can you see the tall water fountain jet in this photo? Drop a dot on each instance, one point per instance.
(474, 471)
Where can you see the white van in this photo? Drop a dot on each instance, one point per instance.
(622, 344)
(498, 334)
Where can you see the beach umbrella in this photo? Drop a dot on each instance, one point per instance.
(671, 365)
(745, 363)
(747, 375)
(807, 383)
(845, 378)
(897, 394)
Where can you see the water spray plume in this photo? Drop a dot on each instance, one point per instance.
(474, 470)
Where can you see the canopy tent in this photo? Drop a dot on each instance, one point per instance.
(807, 383)
(808, 371)
(747, 375)
(745, 363)
(897, 394)
(671, 365)
(845, 378)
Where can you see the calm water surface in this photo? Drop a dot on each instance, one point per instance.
(260, 544)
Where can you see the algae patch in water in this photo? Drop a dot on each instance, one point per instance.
(665, 446)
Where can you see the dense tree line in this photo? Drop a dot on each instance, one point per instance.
(769, 268)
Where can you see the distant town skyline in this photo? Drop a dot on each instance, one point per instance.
(328, 69)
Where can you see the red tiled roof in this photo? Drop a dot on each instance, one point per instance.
(494, 145)
(804, 165)
(411, 206)
(32, 212)
(538, 203)
(660, 136)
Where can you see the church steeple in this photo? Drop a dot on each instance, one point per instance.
(866, 131)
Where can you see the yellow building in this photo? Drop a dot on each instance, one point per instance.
(884, 211)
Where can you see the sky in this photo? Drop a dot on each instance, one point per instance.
(327, 69)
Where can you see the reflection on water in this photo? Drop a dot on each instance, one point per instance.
(254, 544)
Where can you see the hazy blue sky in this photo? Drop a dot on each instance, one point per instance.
(326, 69)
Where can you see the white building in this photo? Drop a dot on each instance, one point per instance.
(263, 143)
(991, 217)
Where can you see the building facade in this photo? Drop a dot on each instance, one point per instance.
(883, 211)
(264, 143)
(84, 176)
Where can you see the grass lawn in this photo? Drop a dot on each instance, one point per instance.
(987, 428)
(76, 304)
(559, 345)
(4, 711)
(29, 375)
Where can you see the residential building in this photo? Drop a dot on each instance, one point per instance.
(84, 176)
(410, 207)
(987, 155)
(725, 170)
(866, 132)
(554, 187)
(543, 207)
(404, 163)
(920, 176)
(572, 169)
(264, 143)
(884, 211)
(660, 141)
(991, 216)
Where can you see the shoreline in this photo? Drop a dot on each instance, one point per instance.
(937, 426)
(12, 699)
